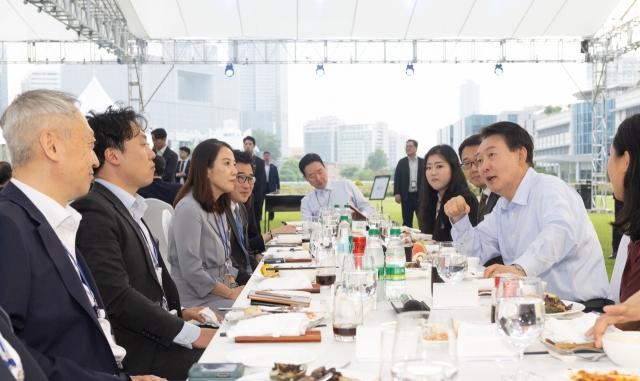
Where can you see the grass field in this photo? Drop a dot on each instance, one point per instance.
(389, 206)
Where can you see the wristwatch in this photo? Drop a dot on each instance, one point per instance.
(233, 285)
(519, 267)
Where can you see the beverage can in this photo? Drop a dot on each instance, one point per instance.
(359, 244)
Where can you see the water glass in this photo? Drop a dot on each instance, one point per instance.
(520, 315)
(451, 261)
(347, 309)
(387, 336)
(325, 267)
(423, 370)
(364, 263)
(424, 335)
(320, 238)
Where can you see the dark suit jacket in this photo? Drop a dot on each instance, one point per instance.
(256, 242)
(32, 371)
(119, 259)
(274, 180)
(186, 170)
(45, 299)
(237, 254)
(442, 226)
(161, 190)
(171, 163)
(402, 177)
(260, 175)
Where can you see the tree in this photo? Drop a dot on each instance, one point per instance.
(349, 172)
(542, 170)
(365, 175)
(377, 160)
(289, 171)
(267, 142)
(552, 109)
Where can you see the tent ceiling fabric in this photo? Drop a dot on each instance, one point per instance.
(329, 19)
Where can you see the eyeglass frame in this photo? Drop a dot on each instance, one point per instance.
(250, 179)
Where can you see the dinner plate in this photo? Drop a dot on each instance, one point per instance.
(565, 375)
(353, 374)
(266, 356)
(577, 307)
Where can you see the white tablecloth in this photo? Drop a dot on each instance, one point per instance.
(333, 353)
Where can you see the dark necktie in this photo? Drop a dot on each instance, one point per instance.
(238, 221)
(483, 204)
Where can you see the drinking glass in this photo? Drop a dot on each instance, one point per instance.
(520, 316)
(423, 370)
(387, 336)
(325, 267)
(424, 335)
(451, 262)
(347, 309)
(320, 238)
(365, 264)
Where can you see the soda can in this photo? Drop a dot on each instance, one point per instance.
(359, 244)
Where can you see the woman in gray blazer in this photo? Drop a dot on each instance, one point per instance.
(199, 245)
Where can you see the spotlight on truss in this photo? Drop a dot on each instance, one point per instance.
(228, 71)
(409, 70)
(498, 70)
(320, 70)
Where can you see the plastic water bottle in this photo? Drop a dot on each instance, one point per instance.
(374, 248)
(346, 211)
(395, 282)
(344, 245)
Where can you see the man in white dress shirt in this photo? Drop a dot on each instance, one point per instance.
(328, 193)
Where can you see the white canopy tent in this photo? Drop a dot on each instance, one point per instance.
(94, 98)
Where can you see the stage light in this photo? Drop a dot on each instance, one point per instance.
(409, 70)
(228, 71)
(498, 70)
(320, 70)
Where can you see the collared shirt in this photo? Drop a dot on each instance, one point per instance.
(182, 166)
(161, 151)
(336, 192)
(235, 211)
(413, 174)
(8, 354)
(65, 223)
(267, 168)
(546, 230)
(487, 191)
(136, 205)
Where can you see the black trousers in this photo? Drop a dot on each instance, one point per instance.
(409, 207)
(172, 363)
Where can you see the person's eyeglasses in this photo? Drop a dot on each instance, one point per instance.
(468, 164)
(242, 179)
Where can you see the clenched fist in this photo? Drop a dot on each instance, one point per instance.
(456, 208)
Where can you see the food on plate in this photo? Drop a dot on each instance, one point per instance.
(553, 304)
(613, 375)
(322, 371)
(251, 310)
(269, 271)
(314, 314)
(287, 372)
(414, 265)
(435, 332)
(570, 346)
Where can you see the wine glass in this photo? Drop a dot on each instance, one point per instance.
(320, 238)
(520, 315)
(367, 281)
(451, 261)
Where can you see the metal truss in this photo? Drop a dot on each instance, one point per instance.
(599, 135)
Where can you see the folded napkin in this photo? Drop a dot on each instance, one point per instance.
(209, 317)
(569, 331)
(275, 325)
(296, 281)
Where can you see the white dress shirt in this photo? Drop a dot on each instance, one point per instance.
(267, 168)
(413, 174)
(8, 353)
(136, 205)
(336, 192)
(161, 151)
(546, 230)
(65, 223)
(182, 166)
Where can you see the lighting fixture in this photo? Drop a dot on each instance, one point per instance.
(228, 71)
(320, 70)
(409, 70)
(498, 70)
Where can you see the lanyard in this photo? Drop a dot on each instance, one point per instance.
(327, 200)
(225, 239)
(154, 255)
(15, 369)
(239, 225)
(95, 306)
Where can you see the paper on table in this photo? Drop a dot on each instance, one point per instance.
(297, 254)
(275, 325)
(478, 342)
(368, 343)
(297, 281)
(569, 331)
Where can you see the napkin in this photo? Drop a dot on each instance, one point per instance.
(485, 284)
(209, 317)
(569, 331)
(275, 325)
(296, 281)
(482, 342)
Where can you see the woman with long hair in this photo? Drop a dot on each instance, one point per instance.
(199, 243)
(445, 180)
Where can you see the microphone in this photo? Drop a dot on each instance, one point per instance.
(411, 304)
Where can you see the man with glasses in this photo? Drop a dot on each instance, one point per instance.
(540, 225)
(328, 193)
(407, 179)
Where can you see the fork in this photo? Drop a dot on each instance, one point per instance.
(576, 352)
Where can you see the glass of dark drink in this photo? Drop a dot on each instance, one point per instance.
(325, 267)
(347, 309)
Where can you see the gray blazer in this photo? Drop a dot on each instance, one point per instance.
(197, 255)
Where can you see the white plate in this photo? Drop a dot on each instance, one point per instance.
(265, 357)
(565, 375)
(412, 273)
(353, 374)
(577, 307)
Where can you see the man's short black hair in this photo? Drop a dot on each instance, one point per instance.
(266, 153)
(244, 157)
(415, 143)
(515, 136)
(308, 159)
(186, 149)
(5, 172)
(160, 164)
(249, 138)
(473, 140)
(159, 133)
(112, 128)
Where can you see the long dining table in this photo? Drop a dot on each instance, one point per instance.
(331, 353)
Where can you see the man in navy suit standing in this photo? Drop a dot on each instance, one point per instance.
(271, 180)
(182, 170)
(46, 287)
(160, 147)
(407, 179)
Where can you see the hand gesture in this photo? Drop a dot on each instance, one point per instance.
(456, 208)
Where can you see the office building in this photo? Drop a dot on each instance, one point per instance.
(321, 137)
(42, 77)
(4, 88)
(453, 134)
(469, 99)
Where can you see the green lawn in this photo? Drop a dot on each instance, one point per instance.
(389, 206)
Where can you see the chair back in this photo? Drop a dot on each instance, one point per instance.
(154, 216)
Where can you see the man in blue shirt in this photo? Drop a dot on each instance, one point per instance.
(328, 193)
(540, 225)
